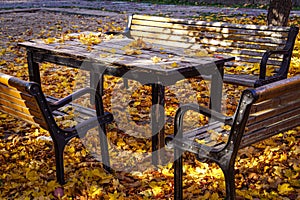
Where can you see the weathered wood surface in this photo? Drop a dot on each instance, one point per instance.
(115, 54)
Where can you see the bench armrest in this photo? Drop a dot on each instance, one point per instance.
(178, 122)
(265, 58)
(68, 99)
(100, 119)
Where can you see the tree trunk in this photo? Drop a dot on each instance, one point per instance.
(278, 12)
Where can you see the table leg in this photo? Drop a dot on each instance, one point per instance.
(216, 88)
(157, 123)
(33, 69)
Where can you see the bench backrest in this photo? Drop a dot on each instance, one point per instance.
(24, 100)
(246, 43)
(267, 111)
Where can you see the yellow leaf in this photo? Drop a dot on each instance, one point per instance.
(2, 62)
(283, 157)
(156, 190)
(174, 64)
(98, 191)
(113, 51)
(49, 40)
(97, 172)
(71, 149)
(155, 59)
(114, 196)
(32, 175)
(285, 189)
(167, 172)
(214, 196)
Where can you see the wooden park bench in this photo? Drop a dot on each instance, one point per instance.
(261, 113)
(253, 46)
(25, 100)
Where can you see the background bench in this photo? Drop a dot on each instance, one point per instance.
(253, 46)
(262, 113)
(26, 101)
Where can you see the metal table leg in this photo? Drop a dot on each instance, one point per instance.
(157, 123)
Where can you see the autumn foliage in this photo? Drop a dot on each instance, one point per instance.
(267, 170)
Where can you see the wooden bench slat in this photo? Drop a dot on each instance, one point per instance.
(271, 116)
(209, 43)
(271, 103)
(14, 93)
(22, 107)
(27, 101)
(198, 33)
(204, 31)
(267, 132)
(216, 24)
(39, 122)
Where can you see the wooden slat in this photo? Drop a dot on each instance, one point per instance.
(30, 102)
(198, 32)
(201, 132)
(268, 131)
(22, 107)
(276, 89)
(83, 112)
(272, 116)
(209, 42)
(215, 24)
(271, 103)
(237, 44)
(15, 93)
(160, 36)
(21, 115)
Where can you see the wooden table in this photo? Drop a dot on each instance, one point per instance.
(151, 64)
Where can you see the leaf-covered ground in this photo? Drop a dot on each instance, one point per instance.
(267, 170)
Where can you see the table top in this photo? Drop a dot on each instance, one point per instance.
(119, 52)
